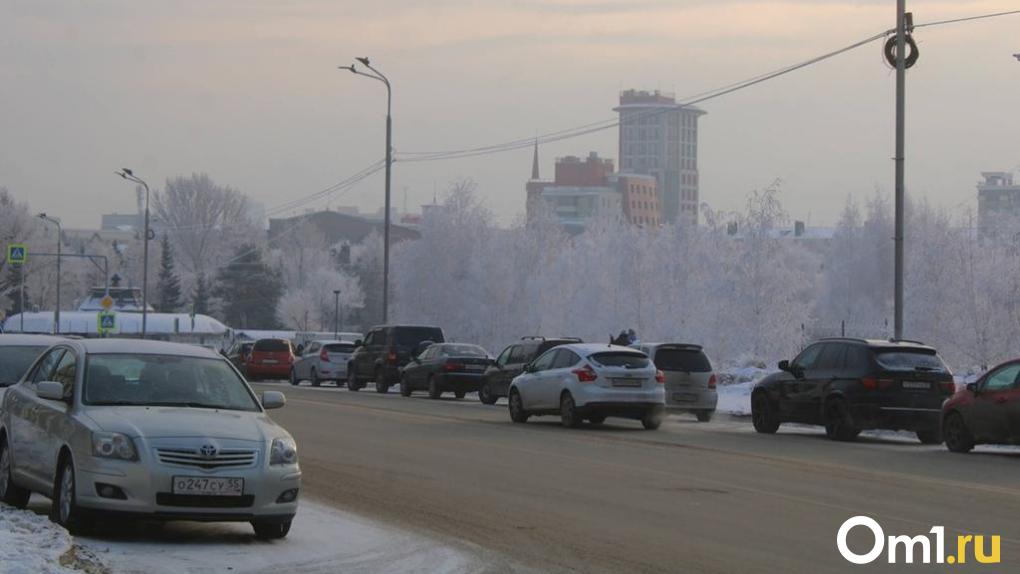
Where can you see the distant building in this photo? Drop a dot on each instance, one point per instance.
(336, 227)
(122, 221)
(998, 205)
(640, 198)
(659, 137)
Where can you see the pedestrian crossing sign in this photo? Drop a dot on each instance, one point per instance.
(17, 254)
(107, 322)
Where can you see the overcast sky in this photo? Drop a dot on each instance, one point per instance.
(248, 92)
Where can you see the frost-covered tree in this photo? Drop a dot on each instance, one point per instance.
(250, 290)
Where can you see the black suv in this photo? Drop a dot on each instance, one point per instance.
(849, 385)
(511, 362)
(384, 351)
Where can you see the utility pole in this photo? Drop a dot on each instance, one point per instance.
(130, 176)
(901, 81)
(56, 313)
(336, 314)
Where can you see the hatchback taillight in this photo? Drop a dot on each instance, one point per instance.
(711, 381)
(323, 355)
(392, 358)
(872, 383)
(660, 378)
(586, 374)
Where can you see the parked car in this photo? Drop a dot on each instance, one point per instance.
(322, 361)
(238, 354)
(270, 359)
(511, 362)
(849, 385)
(18, 352)
(690, 381)
(589, 381)
(385, 350)
(986, 411)
(446, 367)
(146, 429)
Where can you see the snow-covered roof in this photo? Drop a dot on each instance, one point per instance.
(85, 323)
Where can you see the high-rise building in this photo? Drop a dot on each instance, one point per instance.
(998, 206)
(659, 137)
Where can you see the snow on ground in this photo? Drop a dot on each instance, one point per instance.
(31, 544)
(321, 540)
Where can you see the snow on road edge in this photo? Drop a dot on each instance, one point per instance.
(31, 544)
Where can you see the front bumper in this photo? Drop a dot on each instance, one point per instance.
(147, 491)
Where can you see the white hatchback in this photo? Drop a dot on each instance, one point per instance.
(146, 429)
(589, 381)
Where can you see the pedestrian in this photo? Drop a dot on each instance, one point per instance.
(632, 338)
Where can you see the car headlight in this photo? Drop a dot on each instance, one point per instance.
(113, 445)
(284, 451)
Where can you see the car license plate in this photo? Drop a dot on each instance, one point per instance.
(916, 385)
(208, 486)
(626, 382)
(684, 397)
(269, 361)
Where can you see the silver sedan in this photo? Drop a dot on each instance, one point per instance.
(150, 430)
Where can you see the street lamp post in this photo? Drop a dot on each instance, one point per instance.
(130, 176)
(377, 75)
(56, 313)
(336, 314)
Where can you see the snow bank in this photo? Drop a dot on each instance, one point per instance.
(31, 544)
(735, 384)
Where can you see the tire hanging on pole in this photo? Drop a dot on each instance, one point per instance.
(912, 54)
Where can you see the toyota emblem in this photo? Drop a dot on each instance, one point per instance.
(208, 450)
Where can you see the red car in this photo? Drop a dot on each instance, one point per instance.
(270, 359)
(986, 412)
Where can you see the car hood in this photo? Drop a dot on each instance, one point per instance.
(182, 422)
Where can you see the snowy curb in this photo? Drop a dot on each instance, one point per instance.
(31, 544)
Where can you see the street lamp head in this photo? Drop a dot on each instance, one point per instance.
(336, 291)
(127, 171)
(351, 68)
(363, 60)
(41, 216)
(1017, 56)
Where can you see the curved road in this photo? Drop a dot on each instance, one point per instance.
(688, 498)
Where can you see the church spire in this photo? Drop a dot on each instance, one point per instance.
(534, 163)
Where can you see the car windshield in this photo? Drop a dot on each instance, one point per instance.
(339, 348)
(620, 359)
(412, 336)
(678, 359)
(910, 360)
(272, 346)
(165, 380)
(463, 351)
(14, 361)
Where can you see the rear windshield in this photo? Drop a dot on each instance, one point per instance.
(272, 346)
(412, 336)
(14, 361)
(687, 360)
(621, 359)
(339, 348)
(910, 360)
(463, 351)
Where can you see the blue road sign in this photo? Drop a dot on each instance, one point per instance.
(17, 254)
(107, 322)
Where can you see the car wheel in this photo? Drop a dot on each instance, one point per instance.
(405, 387)
(763, 414)
(315, 379)
(434, 392)
(932, 436)
(459, 394)
(380, 384)
(597, 419)
(293, 377)
(704, 416)
(958, 437)
(65, 510)
(517, 412)
(839, 425)
(568, 412)
(652, 419)
(353, 382)
(270, 530)
(10, 493)
(485, 395)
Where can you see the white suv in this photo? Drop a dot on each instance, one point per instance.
(589, 381)
(146, 429)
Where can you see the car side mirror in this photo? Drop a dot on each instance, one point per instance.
(974, 388)
(529, 368)
(50, 390)
(358, 343)
(273, 400)
(784, 365)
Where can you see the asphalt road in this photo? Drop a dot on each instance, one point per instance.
(690, 497)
